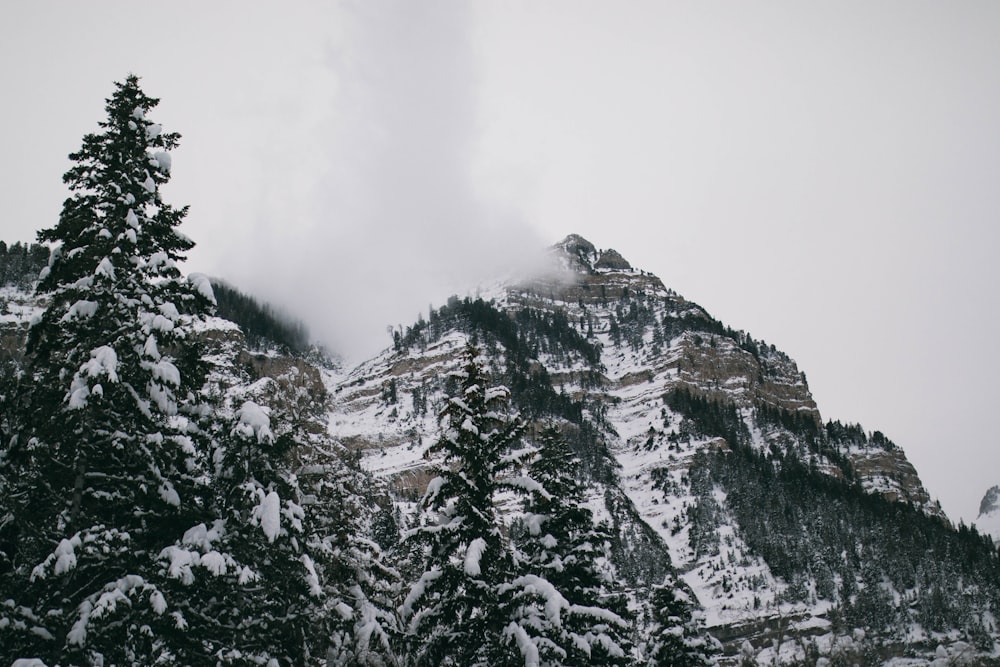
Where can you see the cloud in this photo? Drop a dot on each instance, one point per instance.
(392, 219)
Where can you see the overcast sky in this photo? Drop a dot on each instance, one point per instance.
(825, 176)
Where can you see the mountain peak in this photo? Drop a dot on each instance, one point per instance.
(582, 254)
(990, 502)
(988, 521)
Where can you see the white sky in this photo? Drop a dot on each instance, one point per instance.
(822, 175)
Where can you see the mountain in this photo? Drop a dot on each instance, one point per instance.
(706, 451)
(701, 447)
(988, 520)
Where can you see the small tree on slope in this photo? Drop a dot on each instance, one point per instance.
(677, 635)
(360, 587)
(565, 605)
(453, 613)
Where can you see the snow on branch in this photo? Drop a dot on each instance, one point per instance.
(528, 485)
(473, 555)
(253, 421)
(202, 285)
(524, 644)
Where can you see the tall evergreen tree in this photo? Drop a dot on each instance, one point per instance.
(564, 605)
(453, 612)
(107, 470)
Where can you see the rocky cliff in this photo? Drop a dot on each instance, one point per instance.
(654, 394)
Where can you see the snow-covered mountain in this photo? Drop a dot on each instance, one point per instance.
(703, 448)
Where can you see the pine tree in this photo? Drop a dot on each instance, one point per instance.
(677, 635)
(453, 612)
(108, 472)
(253, 593)
(360, 585)
(564, 604)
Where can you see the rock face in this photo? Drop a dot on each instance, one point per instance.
(610, 259)
(988, 521)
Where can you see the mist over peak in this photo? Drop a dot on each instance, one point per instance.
(394, 219)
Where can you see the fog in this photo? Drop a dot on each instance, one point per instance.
(395, 221)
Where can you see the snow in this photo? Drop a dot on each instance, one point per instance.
(180, 565)
(555, 603)
(103, 361)
(105, 268)
(293, 513)
(524, 644)
(169, 311)
(164, 161)
(82, 309)
(530, 485)
(150, 348)
(498, 392)
(158, 259)
(469, 427)
(253, 421)
(169, 495)
(157, 601)
(66, 555)
(417, 591)
(312, 579)
(131, 219)
(179, 622)
(268, 512)
(344, 609)
(989, 524)
(153, 130)
(534, 523)
(78, 396)
(433, 488)
(473, 555)
(162, 398)
(167, 373)
(214, 562)
(202, 285)
(149, 184)
(160, 323)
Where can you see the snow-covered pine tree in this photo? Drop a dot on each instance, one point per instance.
(253, 593)
(107, 468)
(565, 606)
(453, 614)
(677, 635)
(359, 582)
